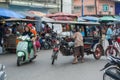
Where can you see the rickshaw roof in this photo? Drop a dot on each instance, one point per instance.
(20, 20)
(73, 22)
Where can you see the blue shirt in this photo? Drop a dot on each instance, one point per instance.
(109, 33)
(83, 33)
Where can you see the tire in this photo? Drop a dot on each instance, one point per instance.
(30, 61)
(46, 46)
(107, 77)
(98, 52)
(18, 61)
(107, 52)
(53, 61)
(54, 57)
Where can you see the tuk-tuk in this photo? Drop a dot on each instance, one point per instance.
(92, 35)
(9, 40)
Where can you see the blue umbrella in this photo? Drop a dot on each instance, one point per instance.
(80, 19)
(91, 18)
(117, 17)
(9, 14)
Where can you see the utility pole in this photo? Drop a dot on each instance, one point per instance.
(96, 7)
(61, 5)
(82, 7)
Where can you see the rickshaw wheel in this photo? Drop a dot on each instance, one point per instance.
(114, 52)
(98, 52)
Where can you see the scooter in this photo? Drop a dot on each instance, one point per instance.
(112, 69)
(3, 75)
(22, 50)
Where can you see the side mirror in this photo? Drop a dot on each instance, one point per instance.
(18, 33)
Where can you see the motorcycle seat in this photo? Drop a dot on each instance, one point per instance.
(70, 44)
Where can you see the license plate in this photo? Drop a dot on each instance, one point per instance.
(55, 49)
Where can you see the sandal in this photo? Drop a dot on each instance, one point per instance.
(82, 60)
(75, 61)
(35, 55)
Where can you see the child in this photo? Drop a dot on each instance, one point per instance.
(37, 43)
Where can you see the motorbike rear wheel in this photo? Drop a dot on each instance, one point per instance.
(109, 51)
(46, 46)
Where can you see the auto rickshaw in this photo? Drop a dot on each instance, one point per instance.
(10, 40)
(92, 40)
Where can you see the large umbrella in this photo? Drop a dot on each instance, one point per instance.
(80, 19)
(45, 19)
(63, 18)
(117, 17)
(91, 18)
(107, 19)
(36, 13)
(9, 14)
(61, 14)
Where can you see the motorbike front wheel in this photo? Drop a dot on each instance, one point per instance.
(109, 71)
(106, 77)
(18, 61)
(54, 57)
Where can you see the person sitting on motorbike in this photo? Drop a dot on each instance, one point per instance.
(33, 31)
(28, 33)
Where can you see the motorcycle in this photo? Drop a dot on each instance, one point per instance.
(113, 49)
(112, 69)
(48, 42)
(2, 72)
(65, 47)
(55, 51)
(45, 44)
(22, 50)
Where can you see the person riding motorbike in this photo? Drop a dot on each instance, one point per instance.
(30, 44)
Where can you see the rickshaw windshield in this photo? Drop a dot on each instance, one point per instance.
(92, 31)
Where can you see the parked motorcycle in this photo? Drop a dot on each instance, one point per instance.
(112, 69)
(22, 50)
(48, 42)
(45, 43)
(3, 75)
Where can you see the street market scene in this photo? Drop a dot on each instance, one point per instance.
(59, 39)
